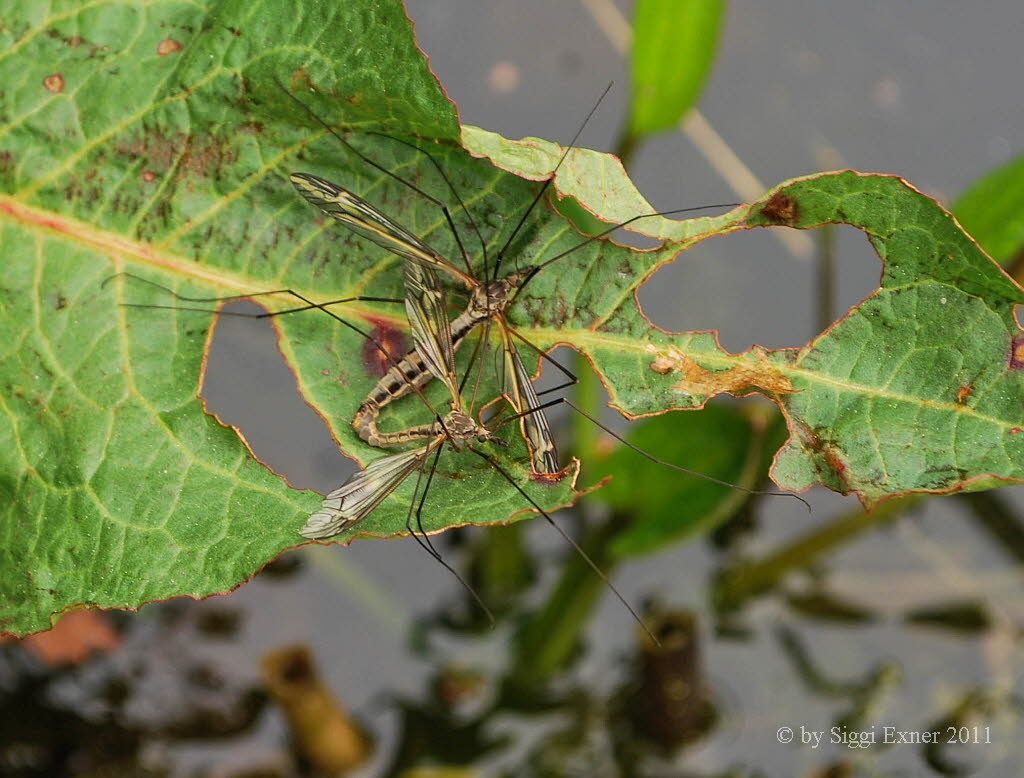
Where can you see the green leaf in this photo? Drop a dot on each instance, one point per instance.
(917, 389)
(117, 489)
(673, 45)
(920, 387)
(992, 210)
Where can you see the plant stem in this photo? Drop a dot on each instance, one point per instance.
(549, 636)
(735, 585)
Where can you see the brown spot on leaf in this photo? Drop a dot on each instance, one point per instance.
(325, 372)
(781, 208)
(167, 46)
(695, 380)
(54, 82)
(148, 176)
(390, 339)
(829, 461)
(198, 154)
(835, 463)
(550, 479)
(1016, 357)
(962, 394)
(1015, 430)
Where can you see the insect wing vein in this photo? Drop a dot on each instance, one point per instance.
(362, 492)
(362, 218)
(431, 330)
(518, 390)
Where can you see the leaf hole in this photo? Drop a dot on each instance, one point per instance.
(248, 385)
(749, 289)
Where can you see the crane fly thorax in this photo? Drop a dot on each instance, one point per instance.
(460, 428)
(492, 298)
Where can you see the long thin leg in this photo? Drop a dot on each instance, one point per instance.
(472, 361)
(310, 305)
(451, 188)
(424, 540)
(674, 212)
(240, 297)
(485, 339)
(573, 379)
(568, 539)
(652, 458)
(421, 537)
(546, 184)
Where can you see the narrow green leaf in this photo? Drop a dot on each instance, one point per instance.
(992, 210)
(674, 43)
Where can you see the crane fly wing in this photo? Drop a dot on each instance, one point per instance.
(424, 296)
(431, 330)
(363, 491)
(518, 390)
(362, 218)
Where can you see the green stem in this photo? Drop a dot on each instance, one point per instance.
(549, 637)
(748, 579)
(586, 394)
(625, 147)
(501, 566)
(997, 517)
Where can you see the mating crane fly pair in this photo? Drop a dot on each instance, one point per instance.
(435, 341)
(435, 345)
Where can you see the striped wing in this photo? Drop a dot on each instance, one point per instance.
(431, 330)
(518, 390)
(365, 490)
(362, 218)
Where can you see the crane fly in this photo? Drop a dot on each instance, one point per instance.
(489, 298)
(487, 302)
(367, 488)
(436, 340)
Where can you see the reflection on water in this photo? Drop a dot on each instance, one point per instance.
(864, 635)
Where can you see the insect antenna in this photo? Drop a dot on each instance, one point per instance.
(547, 182)
(390, 173)
(569, 539)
